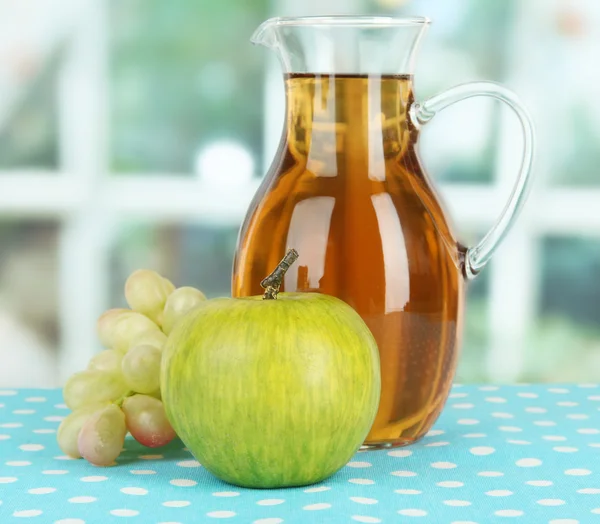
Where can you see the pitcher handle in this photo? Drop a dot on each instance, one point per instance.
(421, 113)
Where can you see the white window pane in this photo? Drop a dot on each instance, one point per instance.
(565, 340)
(28, 303)
(28, 113)
(184, 79)
(472, 366)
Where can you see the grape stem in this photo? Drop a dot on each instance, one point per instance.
(272, 283)
(119, 401)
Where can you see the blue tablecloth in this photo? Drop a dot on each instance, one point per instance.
(528, 454)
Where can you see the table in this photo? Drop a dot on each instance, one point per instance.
(523, 454)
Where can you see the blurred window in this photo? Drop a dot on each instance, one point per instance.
(191, 255)
(184, 79)
(28, 302)
(472, 363)
(28, 119)
(567, 330)
(133, 134)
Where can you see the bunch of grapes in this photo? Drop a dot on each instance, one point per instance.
(120, 389)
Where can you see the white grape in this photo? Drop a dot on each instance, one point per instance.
(118, 330)
(102, 436)
(147, 421)
(181, 301)
(106, 325)
(69, 429)
(107, 360)
(141, 368)
(154, 338)
(146, 292)
(93, 386)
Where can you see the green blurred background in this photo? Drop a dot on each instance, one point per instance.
(102, 99)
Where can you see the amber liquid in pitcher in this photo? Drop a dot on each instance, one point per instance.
(347, 191)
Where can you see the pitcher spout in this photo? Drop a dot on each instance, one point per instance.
(265, 34)
(343, 44)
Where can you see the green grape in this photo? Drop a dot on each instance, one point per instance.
(93, 386)
(154, 338)
(118, 330)
(70, 427)
(102, 436)
(108, 360)
(146, 292)
(141, 368)
(106, 325)
(182, 300)
(147, 421)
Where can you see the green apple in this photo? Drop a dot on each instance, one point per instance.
(271, 393)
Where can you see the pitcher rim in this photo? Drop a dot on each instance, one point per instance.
(349, 21)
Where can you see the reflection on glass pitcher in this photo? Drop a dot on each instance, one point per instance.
(348, 191)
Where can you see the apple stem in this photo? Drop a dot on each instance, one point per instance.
(272, 283)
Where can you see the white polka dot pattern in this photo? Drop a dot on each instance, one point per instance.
(134, 491)
(450, 484)
(318, 489)
(528, 462)
(358, 464)
(124, 512)
(400, 453)
(412, 512)
(176, 503)
(515, 454)
(94, 478)
(221, 514)
(509, 513)
(317, 507)
(183, 483)
(270, 502)
(435, 433)
(457, 503)
(189, 464)
(403, 473)
(499, 493)
(551, 502)
(443, 465)
(82, 500)
(542, 483)
(362, 482)
(27, 513)
(41, 491)
(482, 450)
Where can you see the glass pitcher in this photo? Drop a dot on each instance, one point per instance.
(347, 190)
